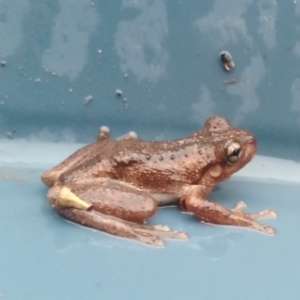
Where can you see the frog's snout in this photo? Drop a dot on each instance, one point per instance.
(250, 147)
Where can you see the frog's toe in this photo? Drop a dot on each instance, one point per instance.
(155, 235)
(103, 133)
(263, 228)
(149, 238)
(269, 213)
(128, 136)
(162, 227)
(265, 214)
(252, 217)
(239, 207)
(171, 234)
(163, 231)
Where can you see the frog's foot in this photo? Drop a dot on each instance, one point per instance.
(215, 213)
(103, 133)
(265, 214)
(128, 136)
(160, 230)
(146, 234)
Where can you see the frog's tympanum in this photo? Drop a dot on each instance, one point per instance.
(115, 185)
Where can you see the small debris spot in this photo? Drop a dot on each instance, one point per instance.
(10, 134)
(119, 92)
(88, 99)
(231, 81)
(3, 63)
(227, 60)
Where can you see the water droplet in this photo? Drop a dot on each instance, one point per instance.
(71, 90)
(100, 51)
(3, 63)
(37, 80)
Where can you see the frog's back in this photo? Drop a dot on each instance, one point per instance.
(150, 164)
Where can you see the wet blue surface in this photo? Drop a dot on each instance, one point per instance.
(164, 56)
(44, 256)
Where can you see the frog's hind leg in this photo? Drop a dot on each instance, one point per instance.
(112, 207)
(146, 234)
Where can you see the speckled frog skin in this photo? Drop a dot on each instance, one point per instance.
(114, 185)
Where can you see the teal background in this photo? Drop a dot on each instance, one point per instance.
(164, 56)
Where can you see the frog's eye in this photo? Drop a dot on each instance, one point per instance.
(233, 152)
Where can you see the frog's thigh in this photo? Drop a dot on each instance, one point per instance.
(116, 199)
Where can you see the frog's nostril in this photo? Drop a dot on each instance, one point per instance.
(251, 140)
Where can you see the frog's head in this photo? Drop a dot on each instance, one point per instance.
(232, 147)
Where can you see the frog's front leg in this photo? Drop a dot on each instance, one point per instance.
(112, 207)
(210, 212)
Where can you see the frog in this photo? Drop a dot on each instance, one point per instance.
(116, 185)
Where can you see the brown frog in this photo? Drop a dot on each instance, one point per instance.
(114, 185)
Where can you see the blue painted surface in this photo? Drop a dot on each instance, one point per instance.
(164, 56)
